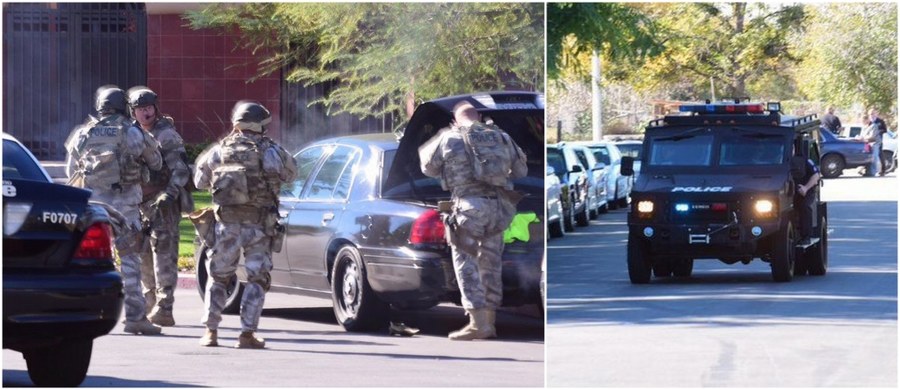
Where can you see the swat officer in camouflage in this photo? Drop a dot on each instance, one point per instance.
(107, 155)
(244, 173)
(164, 200)
(476, 162)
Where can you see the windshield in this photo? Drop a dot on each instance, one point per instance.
(631, 150)
(751, 151)
(682, 151)
(555, 159)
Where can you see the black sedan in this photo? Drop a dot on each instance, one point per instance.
(362, 223)
(60, 285)
(839, 154)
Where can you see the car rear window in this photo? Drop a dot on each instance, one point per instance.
(18, 164)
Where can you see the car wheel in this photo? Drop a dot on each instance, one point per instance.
(62, 365)
(234, 290)
(604, 208)
(683, 268)
(623, 201)
(782, 261)
(817, 256)
(662, 269)
(583, 218)
(614, 203)
(356, 307)
(557, 229)
(595, 212)
(832, 166)
(638, 265)
(569, 217)
(888, 157)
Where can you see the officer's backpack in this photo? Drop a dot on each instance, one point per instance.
(239, 177)
(489, 152)
(103, 161)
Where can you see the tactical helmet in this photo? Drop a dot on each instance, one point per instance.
(250, 112)
(110, 98)
(141, 96)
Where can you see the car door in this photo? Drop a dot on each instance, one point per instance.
(315, 216)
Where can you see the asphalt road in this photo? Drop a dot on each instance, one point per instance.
(306, 348)
(731, 325)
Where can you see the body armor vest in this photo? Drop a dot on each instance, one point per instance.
(104, 160)
(239, 180)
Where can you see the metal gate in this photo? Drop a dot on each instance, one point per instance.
(55, 55)
(301, 123)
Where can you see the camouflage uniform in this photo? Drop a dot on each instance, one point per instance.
(159, 269)
(249, 225)
(119, 188)
(480, 214)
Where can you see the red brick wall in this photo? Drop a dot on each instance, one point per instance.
(199, 75)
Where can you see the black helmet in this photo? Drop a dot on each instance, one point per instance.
(247, 111)
(110, 98)
(141, 96)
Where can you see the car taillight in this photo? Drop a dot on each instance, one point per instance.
(427, 229)
(96, 246)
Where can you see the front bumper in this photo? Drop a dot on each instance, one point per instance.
(42, 309)
(705, 240)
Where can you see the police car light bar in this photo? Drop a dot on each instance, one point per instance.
(755, 108)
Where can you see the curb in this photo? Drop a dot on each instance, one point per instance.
(186, 280)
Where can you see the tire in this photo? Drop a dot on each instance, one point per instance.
(832, 165)
(662, 269)
(583, 218)
(558, 228)
(783, 254)
(683, 268)
(888, 156)
(595, 212)
(569, 217)
(62, 365)
(817, 256)
(638, 264)
(603, 209)
(623, 201)
(234, 291)
(614, 203)
(356, 307)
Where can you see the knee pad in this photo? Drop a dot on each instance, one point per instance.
(263, 280)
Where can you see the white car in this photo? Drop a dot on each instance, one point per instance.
(554, 204)
(597, 174)
(632, 148)
(618, 186)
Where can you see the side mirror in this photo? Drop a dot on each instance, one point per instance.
(627, 166)
(577, 168)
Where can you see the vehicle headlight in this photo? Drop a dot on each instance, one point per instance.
(645, 206)
(763, 207)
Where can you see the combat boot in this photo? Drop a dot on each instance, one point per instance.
(162, 317)
(249, 340)
(142, 327)
(210, 339)
(492, 322)
(477, 329)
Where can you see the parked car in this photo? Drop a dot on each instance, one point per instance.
(61, 289)
(632, 148)
(554, 192)
(839, 154)
(618, 190)
(596, 173)
(573, 177)
(889, 144)
(363, 229)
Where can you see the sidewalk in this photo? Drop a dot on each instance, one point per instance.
(186, 280)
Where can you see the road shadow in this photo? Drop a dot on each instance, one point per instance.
(19, 378)
(860, 286)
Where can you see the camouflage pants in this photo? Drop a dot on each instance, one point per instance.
(222, 263)
(477, 252)
(128, 244)
(159, 255)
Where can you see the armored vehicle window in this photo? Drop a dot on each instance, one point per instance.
(682, 151)
(750, 151)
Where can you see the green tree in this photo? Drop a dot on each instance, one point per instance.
(742, 48)
(613, 29)
(850, 55)
(382, 57)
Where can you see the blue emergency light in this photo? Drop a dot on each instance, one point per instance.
(737, 108)
(681, 207)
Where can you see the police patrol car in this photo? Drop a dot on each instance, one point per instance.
(716, 183)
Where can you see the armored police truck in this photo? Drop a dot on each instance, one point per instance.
(717, 182)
